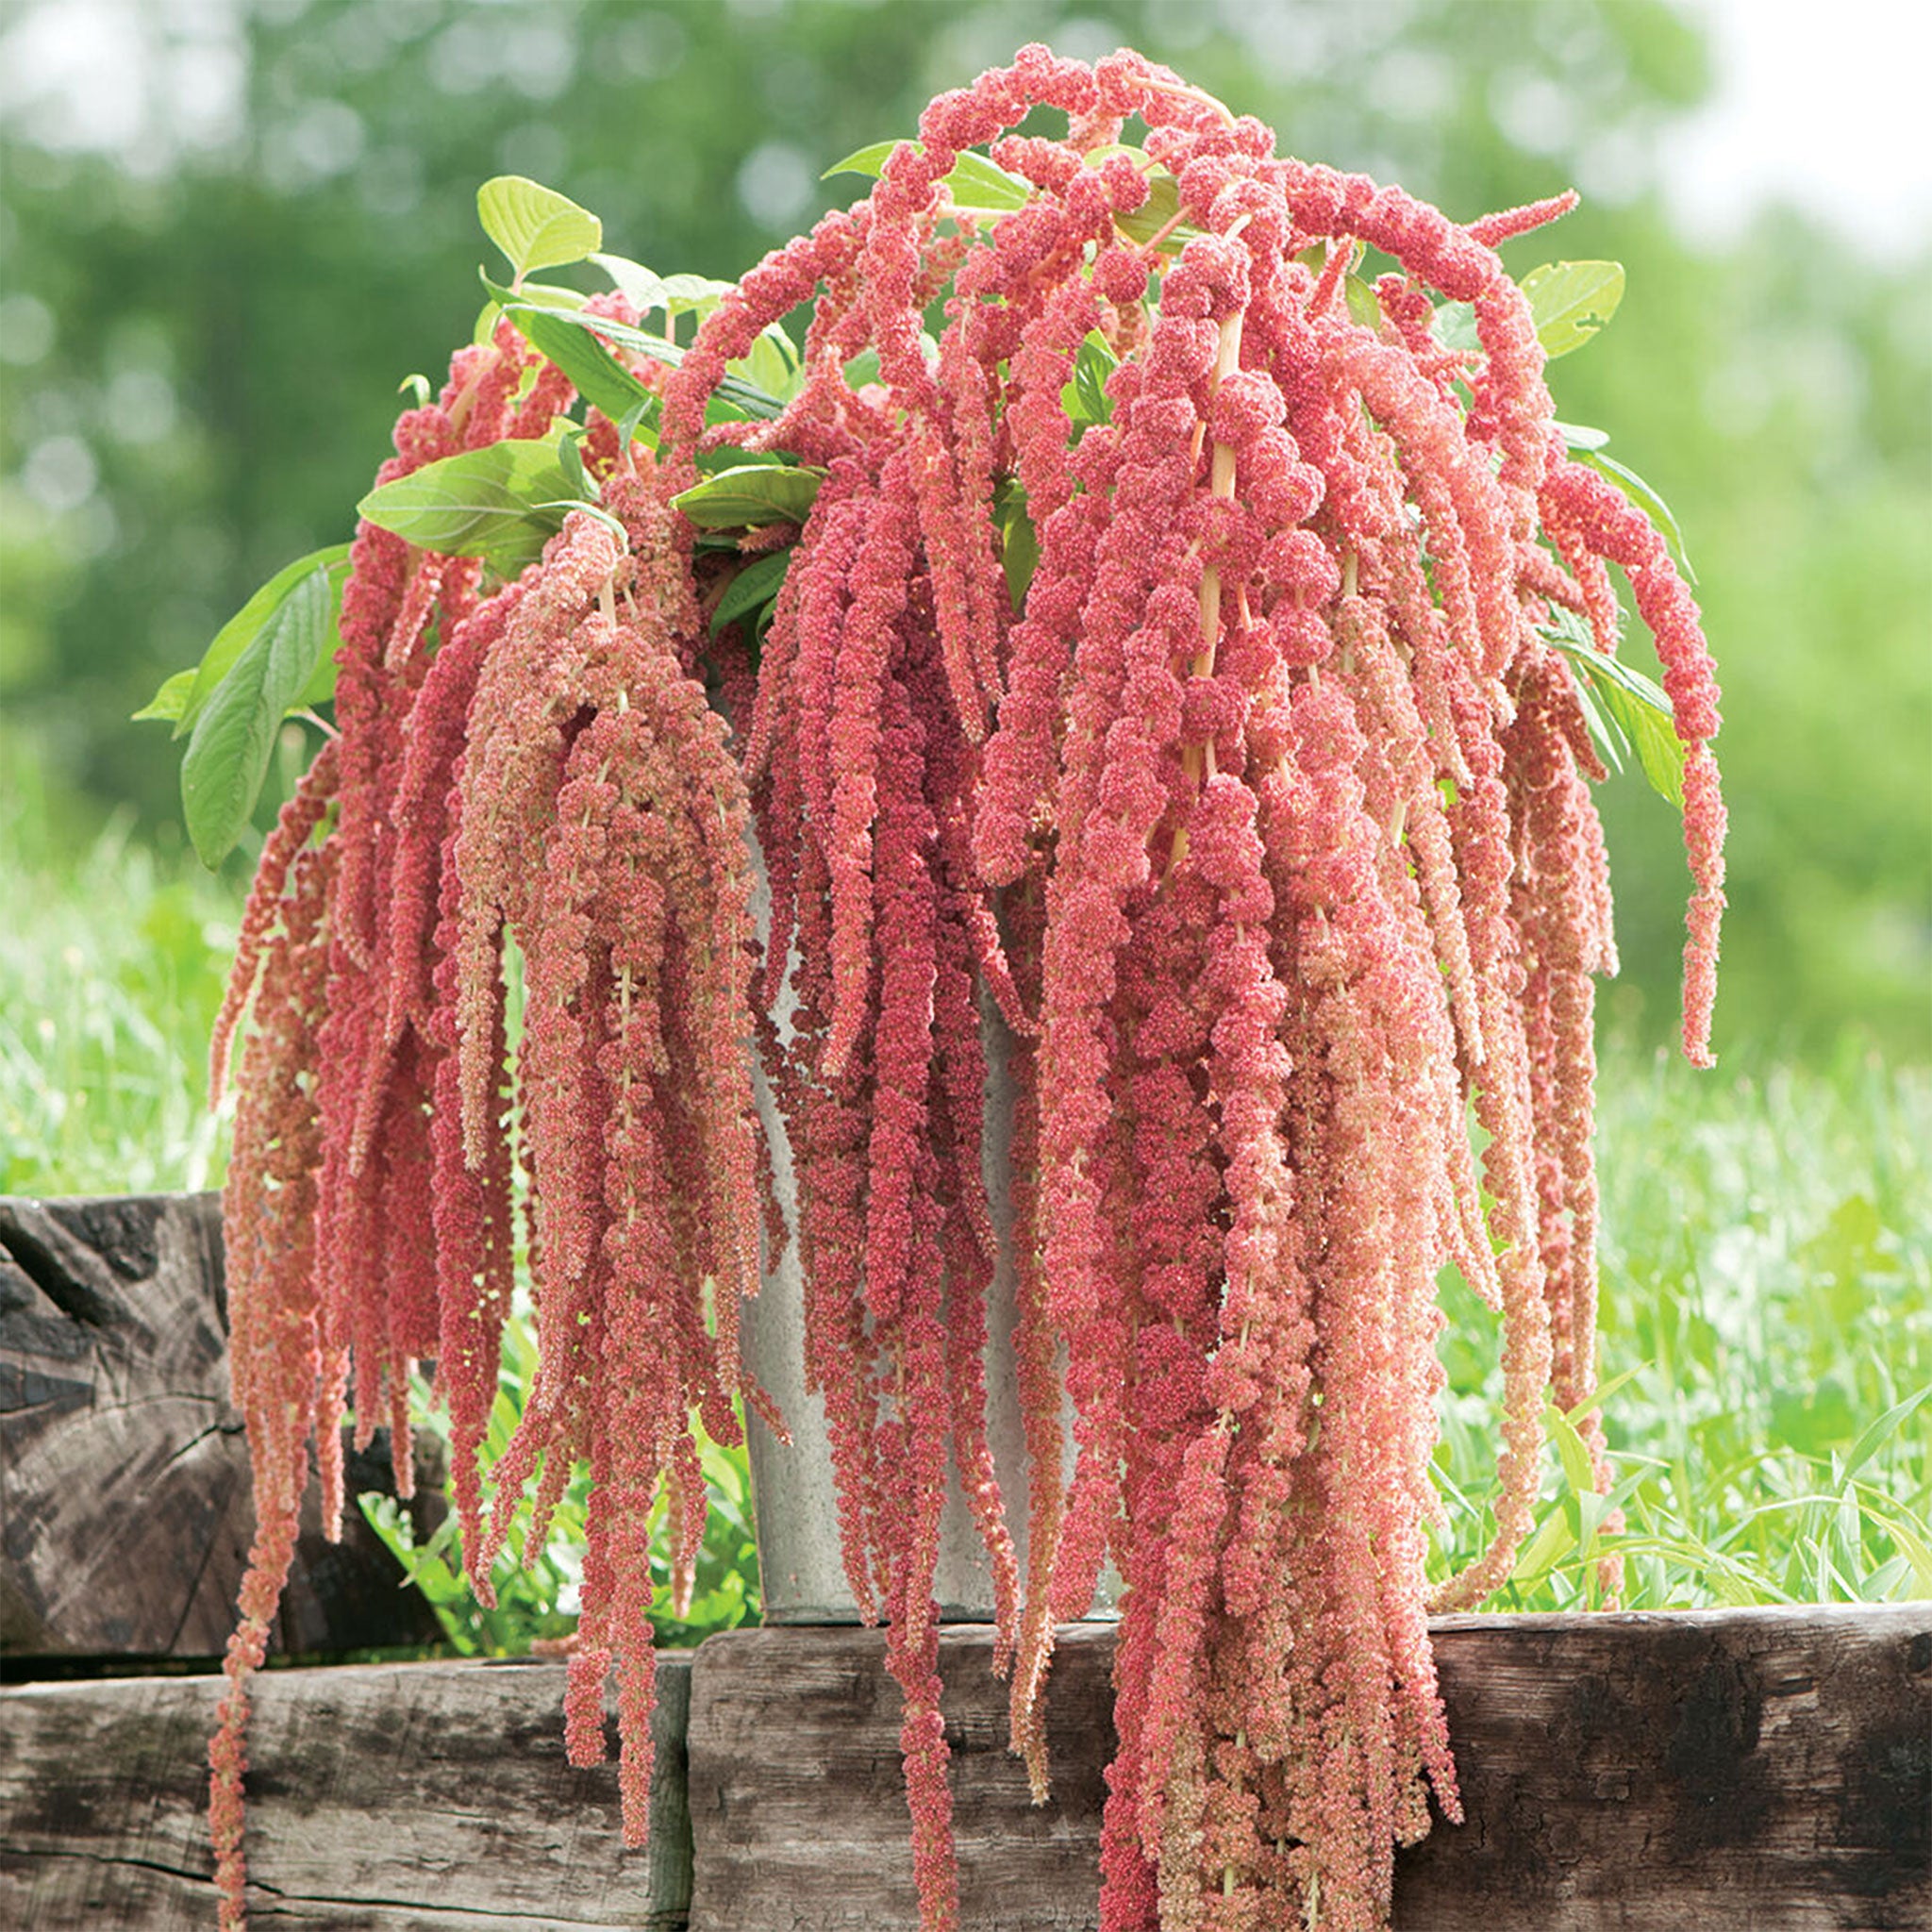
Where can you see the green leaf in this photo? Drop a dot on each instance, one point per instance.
(481, 503)
(748, 495)
(641, 287)
(1609, 741)
(1874, 1434)
(1085, 398)
(611, 521)
(536, 226)
(773, 366)
(1570, 301)
(1364, 310)
(595, 372)
(228, 750)
(1162, 204)
(979, 184)
(1575, 436)
(756, 584)
(1646, 499)
(169, 702)
(246, 625)
(975, 186)
(646, 290)
(570, 459)
(1634, 705)
(689, 294)
(538, 294)
(741, 398)
(1573, 1452)
(1553, 1540)
(1019, 541)
(1453, 326)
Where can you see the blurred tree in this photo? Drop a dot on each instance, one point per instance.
(229, 240)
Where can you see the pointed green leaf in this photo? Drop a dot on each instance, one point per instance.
(1085, 398)
(537, 295)
(773, 365)
(1551, 1541)
(480, 503)
(756, 584)
(1162, 204)
(534, 225)
(1573, 1452)
(228, 750)
(1364, 309)
(1570, 301)
(169, 702)
(1874, 1434)
(741, 398)
(1614, 748)
(975, 186)
(242, 628)
(1635, 706)
(689, 294)
(564, 338)
(641, 287)
(868, 161)
(1646, 498)
(1019, 542)
(1575, 436)
(748, 495)
(1455, 326)
(570, 459)
(981, 185)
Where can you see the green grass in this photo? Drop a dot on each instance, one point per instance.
(1766, 1321)
(1767, 1281)
(113, 962)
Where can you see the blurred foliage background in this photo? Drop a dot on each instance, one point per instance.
(227, 240)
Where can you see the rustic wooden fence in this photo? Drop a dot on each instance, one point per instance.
(1756, 1769)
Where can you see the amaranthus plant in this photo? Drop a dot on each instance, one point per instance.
(1195, 650)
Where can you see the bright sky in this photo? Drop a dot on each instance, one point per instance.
(1827, 102)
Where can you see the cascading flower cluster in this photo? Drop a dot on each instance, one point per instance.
(1260, 813)
(533, 770)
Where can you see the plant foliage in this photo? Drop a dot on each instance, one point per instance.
(1196, 653)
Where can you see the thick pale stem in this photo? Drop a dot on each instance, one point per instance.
(1198, 760)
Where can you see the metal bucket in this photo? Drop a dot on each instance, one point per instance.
(792, 1490)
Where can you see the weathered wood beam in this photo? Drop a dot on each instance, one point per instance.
(1761, 1768)
(125, 1500)
(382, 1798)
(1767, 1769)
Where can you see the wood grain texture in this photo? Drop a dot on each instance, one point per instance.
(1765, 1770)
(798, 1807)
(382, 1798)
(125, 1500)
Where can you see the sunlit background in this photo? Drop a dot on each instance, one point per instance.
(229, 227)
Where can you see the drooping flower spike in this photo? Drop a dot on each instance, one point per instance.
(1163, 665)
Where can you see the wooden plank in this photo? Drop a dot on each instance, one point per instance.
(127, 1511)
(798, 1808)
(381, 1797)
(1765, 1769)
